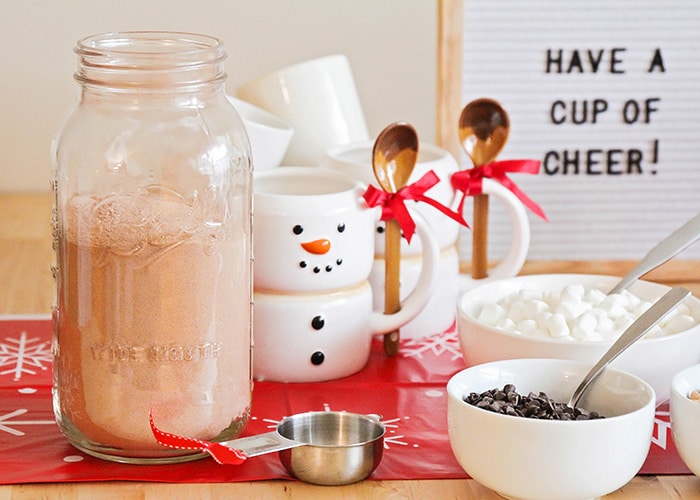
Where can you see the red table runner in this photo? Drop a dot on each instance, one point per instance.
(408, 391)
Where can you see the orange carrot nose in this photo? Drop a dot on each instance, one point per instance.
(317, 246)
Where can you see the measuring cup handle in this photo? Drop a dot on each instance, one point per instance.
(520, 244)
(259, 444)
(414, 303)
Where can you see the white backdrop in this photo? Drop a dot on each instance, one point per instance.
(391, 45)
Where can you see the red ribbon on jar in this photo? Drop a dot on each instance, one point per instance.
(469, 181)
(394, 204)
(222, 454)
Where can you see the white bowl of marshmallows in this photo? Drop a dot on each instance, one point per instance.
(571, 316)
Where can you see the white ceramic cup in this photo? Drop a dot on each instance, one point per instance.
(356, 160)
(440, 312)
(314, 250)
(318, 98)
(685, 415)
(269, 135)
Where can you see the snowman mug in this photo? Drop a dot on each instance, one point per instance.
(355, 159)
(314, 249)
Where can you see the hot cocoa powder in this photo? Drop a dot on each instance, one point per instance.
(153, 313)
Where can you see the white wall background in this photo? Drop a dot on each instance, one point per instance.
(391, 45)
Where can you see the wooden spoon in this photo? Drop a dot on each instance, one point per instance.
(483, 131)
(394, 155)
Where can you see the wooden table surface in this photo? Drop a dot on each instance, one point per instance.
(27, 287)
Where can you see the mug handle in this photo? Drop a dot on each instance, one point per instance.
(416, 301)
(517, 254)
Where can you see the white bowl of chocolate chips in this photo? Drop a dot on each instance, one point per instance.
(511, 430)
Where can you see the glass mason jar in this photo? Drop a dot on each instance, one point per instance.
(153, 234)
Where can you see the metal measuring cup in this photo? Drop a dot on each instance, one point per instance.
(322, 447)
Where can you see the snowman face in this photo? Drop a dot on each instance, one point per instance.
(314, 252)
(312, 231)
(323, 254)
(312, 249)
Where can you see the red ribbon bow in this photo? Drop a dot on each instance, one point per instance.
(222, 454)
(394, 204)
(469, 181)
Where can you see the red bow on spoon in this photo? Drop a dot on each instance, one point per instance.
(469, 181)
(394, 204)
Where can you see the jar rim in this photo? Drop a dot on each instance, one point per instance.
(166, 42)
(104, 56)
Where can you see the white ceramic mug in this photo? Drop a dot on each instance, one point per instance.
(269, 135)
(314, 251)
(318, 98)
(439, 314)
(356, 160)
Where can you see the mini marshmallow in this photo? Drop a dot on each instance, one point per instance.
(655, 331)
(516, 311)
(614, 305)
(542, 318)
(528, 327)
(578, 313)
(623, 322)
(585, 327)
(573, 292)
(534, 307)
(506, 324)
(571, 309)
(679, 323)
(492, 313)
(557, 326)
(594, 296)
(526, 295)
(633, 302)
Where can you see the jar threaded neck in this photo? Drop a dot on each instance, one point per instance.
(140, 60)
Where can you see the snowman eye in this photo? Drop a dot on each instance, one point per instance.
(341, 227)
(297, 229)
(380, 229)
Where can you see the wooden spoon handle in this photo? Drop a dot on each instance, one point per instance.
(392, 273)
(480, 261)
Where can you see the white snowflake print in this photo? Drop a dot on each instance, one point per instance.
(439, 344)
(662, 427)
(391, 437)
(8, 425)
(24, 355)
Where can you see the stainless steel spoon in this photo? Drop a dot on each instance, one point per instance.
(671, 246)
(633, 333)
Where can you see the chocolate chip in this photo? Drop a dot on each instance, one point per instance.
(508, 401)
